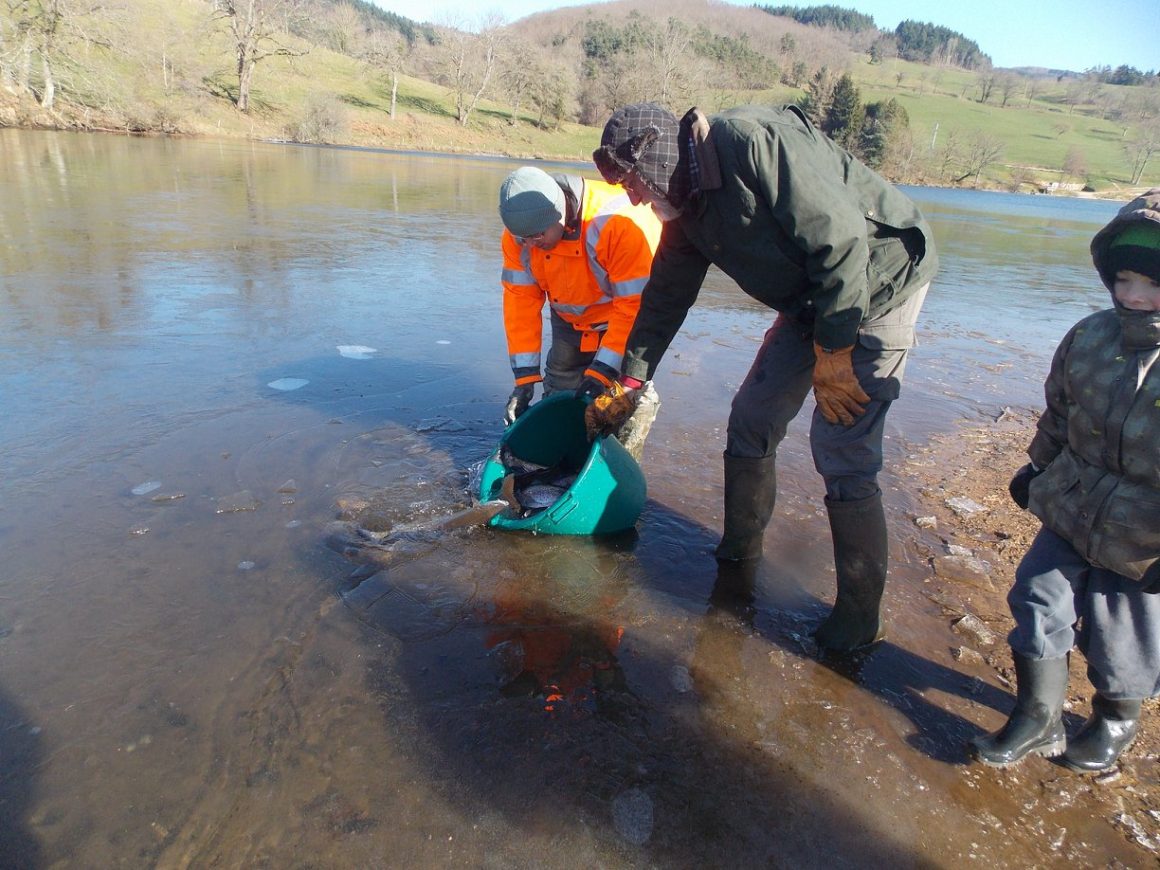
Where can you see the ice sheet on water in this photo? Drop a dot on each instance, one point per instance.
(287, 384)
(356, 351)
(145, 488)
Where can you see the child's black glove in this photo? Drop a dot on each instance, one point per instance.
(1020, 485)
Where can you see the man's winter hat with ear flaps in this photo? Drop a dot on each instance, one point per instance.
(1136, 248)
(643, 137)
(530, 201)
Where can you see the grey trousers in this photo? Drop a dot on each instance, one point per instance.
(848, 457)
(566, 363)
(1119, 624)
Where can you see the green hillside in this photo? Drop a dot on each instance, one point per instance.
(326, 71)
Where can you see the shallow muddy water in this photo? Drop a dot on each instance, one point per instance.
(209, 349)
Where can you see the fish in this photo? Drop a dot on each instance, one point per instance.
(531, 487)
(540, 496)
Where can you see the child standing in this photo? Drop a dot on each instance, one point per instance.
(1092, 575)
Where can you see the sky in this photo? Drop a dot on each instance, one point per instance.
(1056, 34)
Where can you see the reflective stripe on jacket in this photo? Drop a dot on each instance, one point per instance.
(592, 279)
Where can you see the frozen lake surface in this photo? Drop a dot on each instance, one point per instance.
(209, 350)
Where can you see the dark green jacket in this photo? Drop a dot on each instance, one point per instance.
(1099, 438)
(796, 221)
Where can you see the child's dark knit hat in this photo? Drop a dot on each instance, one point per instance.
(1136, 248)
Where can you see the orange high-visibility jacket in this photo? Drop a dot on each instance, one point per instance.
(592, 278)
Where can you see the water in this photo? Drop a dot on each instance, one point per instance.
(210, 351)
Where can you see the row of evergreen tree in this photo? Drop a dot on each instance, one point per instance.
(916, 41)
(835, 106)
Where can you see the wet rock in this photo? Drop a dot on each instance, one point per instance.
(964, 569)
(950, 603)
(162, 498)
(973, 628)
(967, 655)
(348, 506)
(965, 507)
(632, 814)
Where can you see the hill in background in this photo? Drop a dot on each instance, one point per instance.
(923, 106)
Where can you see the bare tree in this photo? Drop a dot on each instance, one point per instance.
(981, 150)
(43, 33)
(1143, 148)
(519, 69)
(254, 26)
(1032, 89)
(986, 82)
(467, 61)
(385, 51)
(1074, 163)
(549, 94)
(950, 154)
(1008, 84)
(1074, 94)
(669, 52)
(344, 29)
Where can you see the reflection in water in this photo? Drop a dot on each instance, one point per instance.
(191, 677)
(571, 666)
(20, 757)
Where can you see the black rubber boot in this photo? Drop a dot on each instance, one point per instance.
(750, 493)
(1109, 731)
(734, 589)
(1036, 723)
(860, 558)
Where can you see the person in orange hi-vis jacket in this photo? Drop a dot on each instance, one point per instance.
(581, 246)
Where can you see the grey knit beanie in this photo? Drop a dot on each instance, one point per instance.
(644, 137)
(530, 201)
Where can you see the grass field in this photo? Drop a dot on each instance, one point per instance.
(184, 82)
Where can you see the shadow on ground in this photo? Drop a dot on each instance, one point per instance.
(618, 687)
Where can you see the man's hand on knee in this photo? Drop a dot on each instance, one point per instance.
(839, 396)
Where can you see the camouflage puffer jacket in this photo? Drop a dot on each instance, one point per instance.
(1099, 438)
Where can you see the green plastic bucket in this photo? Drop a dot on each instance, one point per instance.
(609, 491)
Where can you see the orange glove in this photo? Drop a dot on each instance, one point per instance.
(840, 397)
(609, 410)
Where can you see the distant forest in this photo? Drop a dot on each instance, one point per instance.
(927, 43)
(915, 103)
